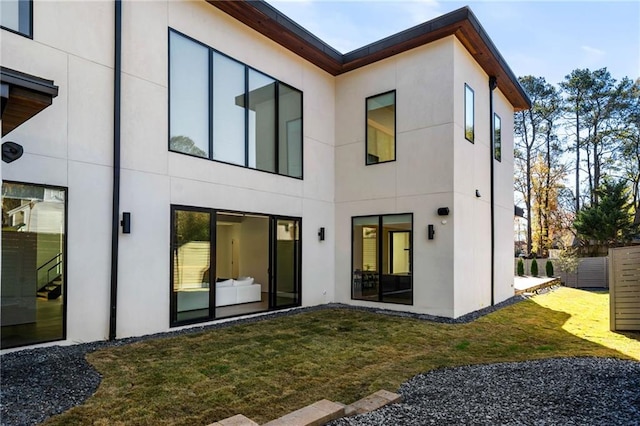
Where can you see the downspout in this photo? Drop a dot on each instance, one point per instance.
(115, 225)
(493, 83)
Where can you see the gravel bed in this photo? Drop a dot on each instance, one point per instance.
(560, 391)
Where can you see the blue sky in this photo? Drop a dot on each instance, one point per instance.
(541, 38)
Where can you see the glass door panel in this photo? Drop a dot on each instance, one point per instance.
(286, 263)
(33, 260)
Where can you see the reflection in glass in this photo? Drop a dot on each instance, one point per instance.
(365, 258)
(33, 259)
(290, 131)
(16, 15)
(189, 92)
(381, 128)
(497, 137)
(262, 121)
(228, 110)
(469, 131)
(381, 256)
(287, 262)
(191, 262)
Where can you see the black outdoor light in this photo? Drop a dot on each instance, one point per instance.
(430, 232)
(478, 193)
(126, 223)
(443, 211)
(11, 151)
(321, 234)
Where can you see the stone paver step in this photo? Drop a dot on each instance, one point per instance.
(372, 402)
(316, 414)
(237, 420)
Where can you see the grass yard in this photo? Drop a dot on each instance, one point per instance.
(266, 369)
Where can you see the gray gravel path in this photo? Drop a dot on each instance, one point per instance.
(561, 391)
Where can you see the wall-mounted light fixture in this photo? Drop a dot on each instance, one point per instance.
(430, 232)
(11, 151)
(321, 234)
(126, 223)
(443, 211)
(478, 193)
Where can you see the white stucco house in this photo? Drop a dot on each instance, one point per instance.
(190, 161)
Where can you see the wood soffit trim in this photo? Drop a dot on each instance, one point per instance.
(460, 23)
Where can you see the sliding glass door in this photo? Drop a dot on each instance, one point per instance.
(33, 289)
(228, 263)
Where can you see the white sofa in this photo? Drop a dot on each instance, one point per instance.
(229, 292)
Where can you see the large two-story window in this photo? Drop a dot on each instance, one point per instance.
(381, 128)
(382, 258)
(17, 16)
(469, 130)
(497, 137)
(223, 110)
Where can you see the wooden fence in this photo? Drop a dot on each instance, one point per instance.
(624, 292)
(593, 272)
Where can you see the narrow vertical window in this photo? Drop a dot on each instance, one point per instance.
(469, 131)
(16, 16)
(381, 128)
(497, 138)
(189, 96)
(289, 131)
(262, 122)
(228, 110)
(33, 264)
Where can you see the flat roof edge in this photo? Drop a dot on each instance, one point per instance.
(27, 81)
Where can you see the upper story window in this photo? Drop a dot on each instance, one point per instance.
(381, 128)
(223, 110)
(497, 138)
(16, 16)
(469, 131)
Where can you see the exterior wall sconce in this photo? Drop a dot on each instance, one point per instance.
(126, 223)
(430, 232)
(443, 211)
(321, 234)
(478, 193)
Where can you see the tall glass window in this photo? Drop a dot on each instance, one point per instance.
(16, 15)
(469, 131)
(33, 264)
(191, 264)
(228, 110)
(382, 258)
(289, 131)
(262, 122)
(497, 137)
(189, 96)
(381, 128)
(223, 110)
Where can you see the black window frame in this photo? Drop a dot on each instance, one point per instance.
(213, 216)
(65, 255)
(379, 259)
(468, 89)
(395, 132)
(247, 68)
(24, 7)
(497, 137)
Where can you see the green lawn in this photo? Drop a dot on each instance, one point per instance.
(266, 369)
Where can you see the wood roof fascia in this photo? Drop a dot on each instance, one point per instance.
(462, 23)
(24, 97)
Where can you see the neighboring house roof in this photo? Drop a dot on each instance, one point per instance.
(23, 96)
(462, 23)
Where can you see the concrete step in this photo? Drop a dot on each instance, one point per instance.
(316, 414)
(372, 402)
(237, 420)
